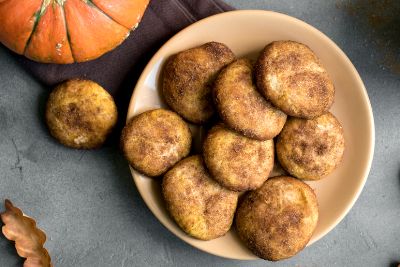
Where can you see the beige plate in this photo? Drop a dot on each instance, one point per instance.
(246, 33)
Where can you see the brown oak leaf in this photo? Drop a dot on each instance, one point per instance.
(29, 240)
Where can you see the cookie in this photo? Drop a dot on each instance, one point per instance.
(292, 77)
(311, 149)
(200, 206)
(277, 220)
(80, 114)
(237, 162)
(155, 140)
(188, 78)
(242, 107)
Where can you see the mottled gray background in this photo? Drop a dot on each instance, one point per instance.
(94, 216)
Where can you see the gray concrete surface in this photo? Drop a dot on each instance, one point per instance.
(94, 216)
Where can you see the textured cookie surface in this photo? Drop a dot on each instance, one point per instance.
(311, 149)
(277, 220)
(199, 205)
(188, 77)
(291, 76)
(155, 140)
(237, 162)
(242, 107)
(80, 114)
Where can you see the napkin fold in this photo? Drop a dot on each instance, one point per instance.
(118, 70)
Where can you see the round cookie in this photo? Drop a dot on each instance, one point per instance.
(291, 76)
(242, 107)
(277, 220)
(155, 140)
(237, 162)
(200, 206)
(311, 149)
(80, 114)
(188, 77)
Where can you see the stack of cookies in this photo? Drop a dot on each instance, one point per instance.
(279, 105)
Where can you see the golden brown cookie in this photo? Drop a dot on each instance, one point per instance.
(242, 107)
(80, 114)
(155, 140)
(277, 220)
(311, 149)
(200, 206)
(188, 77)
(291, 76)
(237, 162)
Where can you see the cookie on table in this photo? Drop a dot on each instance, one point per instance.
(311, 149)
(292, 77)
(237, 162)
(155, 140)
(242, 107)
(277, 220)
(200, 206)
(188, 77)
(80, 114)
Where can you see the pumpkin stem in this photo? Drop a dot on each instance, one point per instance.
(45, 4)
(60, 2)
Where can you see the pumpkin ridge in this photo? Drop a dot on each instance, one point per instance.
(66, 29)
(38, 14)
(90, 3)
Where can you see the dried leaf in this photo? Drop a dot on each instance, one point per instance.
(29, 240)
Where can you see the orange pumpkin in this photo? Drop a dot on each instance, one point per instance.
(67, 31)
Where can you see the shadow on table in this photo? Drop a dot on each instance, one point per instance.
(9, 254)
(143, 217)
(396, 263)
(379, 21)
(127, 189)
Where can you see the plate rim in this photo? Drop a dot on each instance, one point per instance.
(309, 27)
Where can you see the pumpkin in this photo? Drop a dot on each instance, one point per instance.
(67, 31)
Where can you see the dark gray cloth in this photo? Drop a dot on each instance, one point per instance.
(118, 70)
